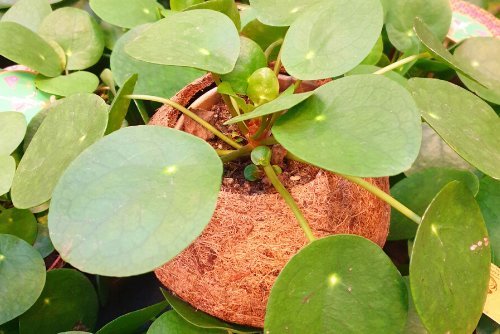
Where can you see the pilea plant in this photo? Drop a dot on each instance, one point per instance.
(84, 183)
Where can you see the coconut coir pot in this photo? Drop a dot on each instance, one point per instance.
(229, 270)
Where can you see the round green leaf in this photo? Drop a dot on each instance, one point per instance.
(450, 262)
(413, 323)
(250, 59)
(279, 12)
(479, 55)
(363, 125)
(331, 38)
(172, 323)
(489, 202)
(132, 322)
(370, 69)
(467, 123)
(12, 131)
(260, 33)
(7, 171)
(68, 300)
(401, 13)
(28, 13)
(172, 78)
(77, 33)
(375, 53)
(282, 102)
(227, 7)
(8, 3)
(120, 105)
(20, 223)
(35, 123)
(128, 14)
(178, 5)
(200, 38)
(65, 85)
(22, 276)
(201, 319)
(29, 49)
(73, 124)
(418, 190)
(163, 183)
(338, 284)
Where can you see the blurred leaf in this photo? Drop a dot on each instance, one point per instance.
(227, 7)
(375, 54)
(70, 127)
(7, 171)
(351, 125)
(369, 69)
(128, 14)
(202, 319)
(450, 262)
(11, 327)
(489, 202)
(77, 33)
(120, 105)
(280, 13)
(20, 223)
(331, 38)
(463, 120)
(413, 323)
(209, 41)
(12, 131)
(43, 244)
(68, 300)
(163, 182)
(178, 5)
(22, 276)
(29, 13)
(172, 78)
(262, 34)
(65, 85)
(417, 191)
(131, 322)
(487, 326)
(338, 284)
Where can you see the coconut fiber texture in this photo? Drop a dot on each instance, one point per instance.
(229, 270)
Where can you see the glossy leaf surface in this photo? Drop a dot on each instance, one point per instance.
(29, 13)
(12, 131)
(363, 125)
(21, 223)
(338, 284)
(162, 182)
(127, 14)
(65, 85)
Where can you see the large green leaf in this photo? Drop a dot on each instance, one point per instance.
(131, 322)
(250, 59)
(338, 284)
(154, 187)
(120, 105)
(479, 55)
(227, 7)
(201, 319)
(12, 131)
(363, 125)
(450, 262)
(29, 49)
(21, 223)
(172, 323)
(281, 103)
(178, 5)
(29, 13)
(65, 85)
(401, 13)
(369, 69)
(128, 14)
(489, 202)
(7, 171)
(279, 12)
(77, 33)
(9, 3)
(413, 323)
(331, 38)
(172, 78)
(22, 276)
(418, 190)
(200, 38)
(72, 125)
(68, 300)
(375, 54)
(467, 123)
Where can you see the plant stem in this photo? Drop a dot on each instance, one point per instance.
(384, 196)
(224, 152)
(297, 84)
(401, 62)
(263, 126)
(245, 150)
(190, 114)
(271, 47)
(271, 175)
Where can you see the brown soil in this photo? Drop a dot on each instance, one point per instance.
(229, 270)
